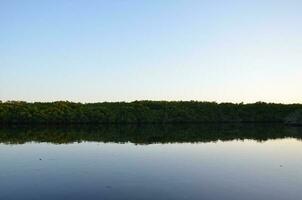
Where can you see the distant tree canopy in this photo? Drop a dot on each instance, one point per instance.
(140, 112)
(295, 118)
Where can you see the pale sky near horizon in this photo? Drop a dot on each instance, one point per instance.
(122, 50)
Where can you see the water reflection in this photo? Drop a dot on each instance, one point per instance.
(147, 134)
(230, 162)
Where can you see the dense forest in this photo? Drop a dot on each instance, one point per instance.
(147, 134)
(141, 112)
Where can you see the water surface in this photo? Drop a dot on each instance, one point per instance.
(153, 162)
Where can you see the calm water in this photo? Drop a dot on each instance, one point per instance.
(172, 162)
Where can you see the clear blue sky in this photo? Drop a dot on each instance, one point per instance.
(121, 50)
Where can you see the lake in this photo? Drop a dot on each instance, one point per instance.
(151, 162)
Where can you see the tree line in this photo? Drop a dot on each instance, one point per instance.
(141, 112)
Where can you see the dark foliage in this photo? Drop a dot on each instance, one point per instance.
(140, 112)
(294, 118)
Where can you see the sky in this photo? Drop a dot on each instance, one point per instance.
(122, 50)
